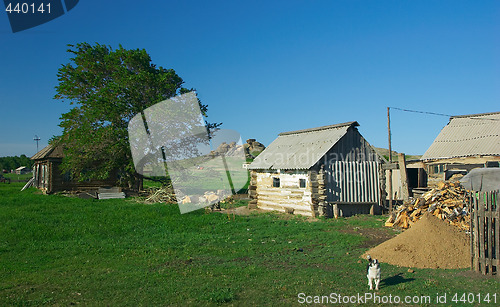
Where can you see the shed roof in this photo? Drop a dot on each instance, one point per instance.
(49, 151)
(300, 149)
(467, 135)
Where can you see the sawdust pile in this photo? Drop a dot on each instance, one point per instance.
(429, 243)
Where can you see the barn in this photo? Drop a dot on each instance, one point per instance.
(466, 142)
(327, 171)
(49, 178)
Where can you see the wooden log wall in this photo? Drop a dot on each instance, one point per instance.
(289, 197)
(318, 189)
(50, 179)
(252, 190)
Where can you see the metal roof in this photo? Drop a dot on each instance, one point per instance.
(300, 149)
(467, 135)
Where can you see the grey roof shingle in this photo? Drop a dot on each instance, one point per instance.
(49, 151)
(467, 135)
(300, 149)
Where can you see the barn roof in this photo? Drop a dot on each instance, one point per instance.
(49, 151)
(467, 135)
(300, 149)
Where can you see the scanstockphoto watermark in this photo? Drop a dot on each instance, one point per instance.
(307, 156)
(362, 298)
(25, 14)
(374, 298)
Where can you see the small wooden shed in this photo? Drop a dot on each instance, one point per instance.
(327, 171)
(49, 178)
(22, 170)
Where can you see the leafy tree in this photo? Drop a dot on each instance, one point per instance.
(108, 87)
(13, 162)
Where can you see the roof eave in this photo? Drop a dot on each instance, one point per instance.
(351, 124)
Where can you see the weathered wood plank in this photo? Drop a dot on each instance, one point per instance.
(481, 233)
(404, 177)
(110, 195)
(494, 232)
(387, 166)
(489, 234)
(298, 206)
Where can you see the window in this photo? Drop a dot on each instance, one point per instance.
(276, 182)
(302, 183)
(438, 169)
(492, 164)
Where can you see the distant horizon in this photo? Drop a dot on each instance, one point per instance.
(268, 67)
(383, 148)
(377, 147)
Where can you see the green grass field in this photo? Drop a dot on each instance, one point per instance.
(57, 250)
(18, 178)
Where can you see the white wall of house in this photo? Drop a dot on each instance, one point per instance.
(289, 196)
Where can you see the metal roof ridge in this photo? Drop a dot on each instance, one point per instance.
(353, 123)
(473, 115)
(481, 155)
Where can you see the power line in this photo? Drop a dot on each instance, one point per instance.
(422, 112)
(441, 114)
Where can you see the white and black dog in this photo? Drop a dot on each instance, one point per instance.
(373, 272)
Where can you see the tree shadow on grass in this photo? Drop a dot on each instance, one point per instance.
(396, 279)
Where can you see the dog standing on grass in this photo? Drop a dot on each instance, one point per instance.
(373, 272)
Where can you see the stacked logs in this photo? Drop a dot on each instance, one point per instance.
(447, 202)
(319, 194)
(252, 190)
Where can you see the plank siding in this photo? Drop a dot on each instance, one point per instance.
(485, 229)
(352, 147)
(352, 170)
(288, 196)
(50, 179)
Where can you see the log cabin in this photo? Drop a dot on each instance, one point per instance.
(326, 171)
(49, 178)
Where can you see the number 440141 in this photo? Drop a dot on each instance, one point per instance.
(26, 8)
(471, 298)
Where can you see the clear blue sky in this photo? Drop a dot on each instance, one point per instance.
(265, 67)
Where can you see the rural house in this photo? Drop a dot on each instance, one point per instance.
(326, 171)
(465, 143)
(49, 178)
(22, 170)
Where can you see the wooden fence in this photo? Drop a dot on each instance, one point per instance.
(485, 231)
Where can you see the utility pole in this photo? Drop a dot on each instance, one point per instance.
(36, 139)
(390, 158)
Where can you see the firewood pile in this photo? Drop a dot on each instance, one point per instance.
(447, 202)
(164, 194)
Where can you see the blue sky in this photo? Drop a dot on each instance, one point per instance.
(264, 67)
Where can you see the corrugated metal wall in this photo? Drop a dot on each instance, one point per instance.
(352, 147)
(352, 182)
